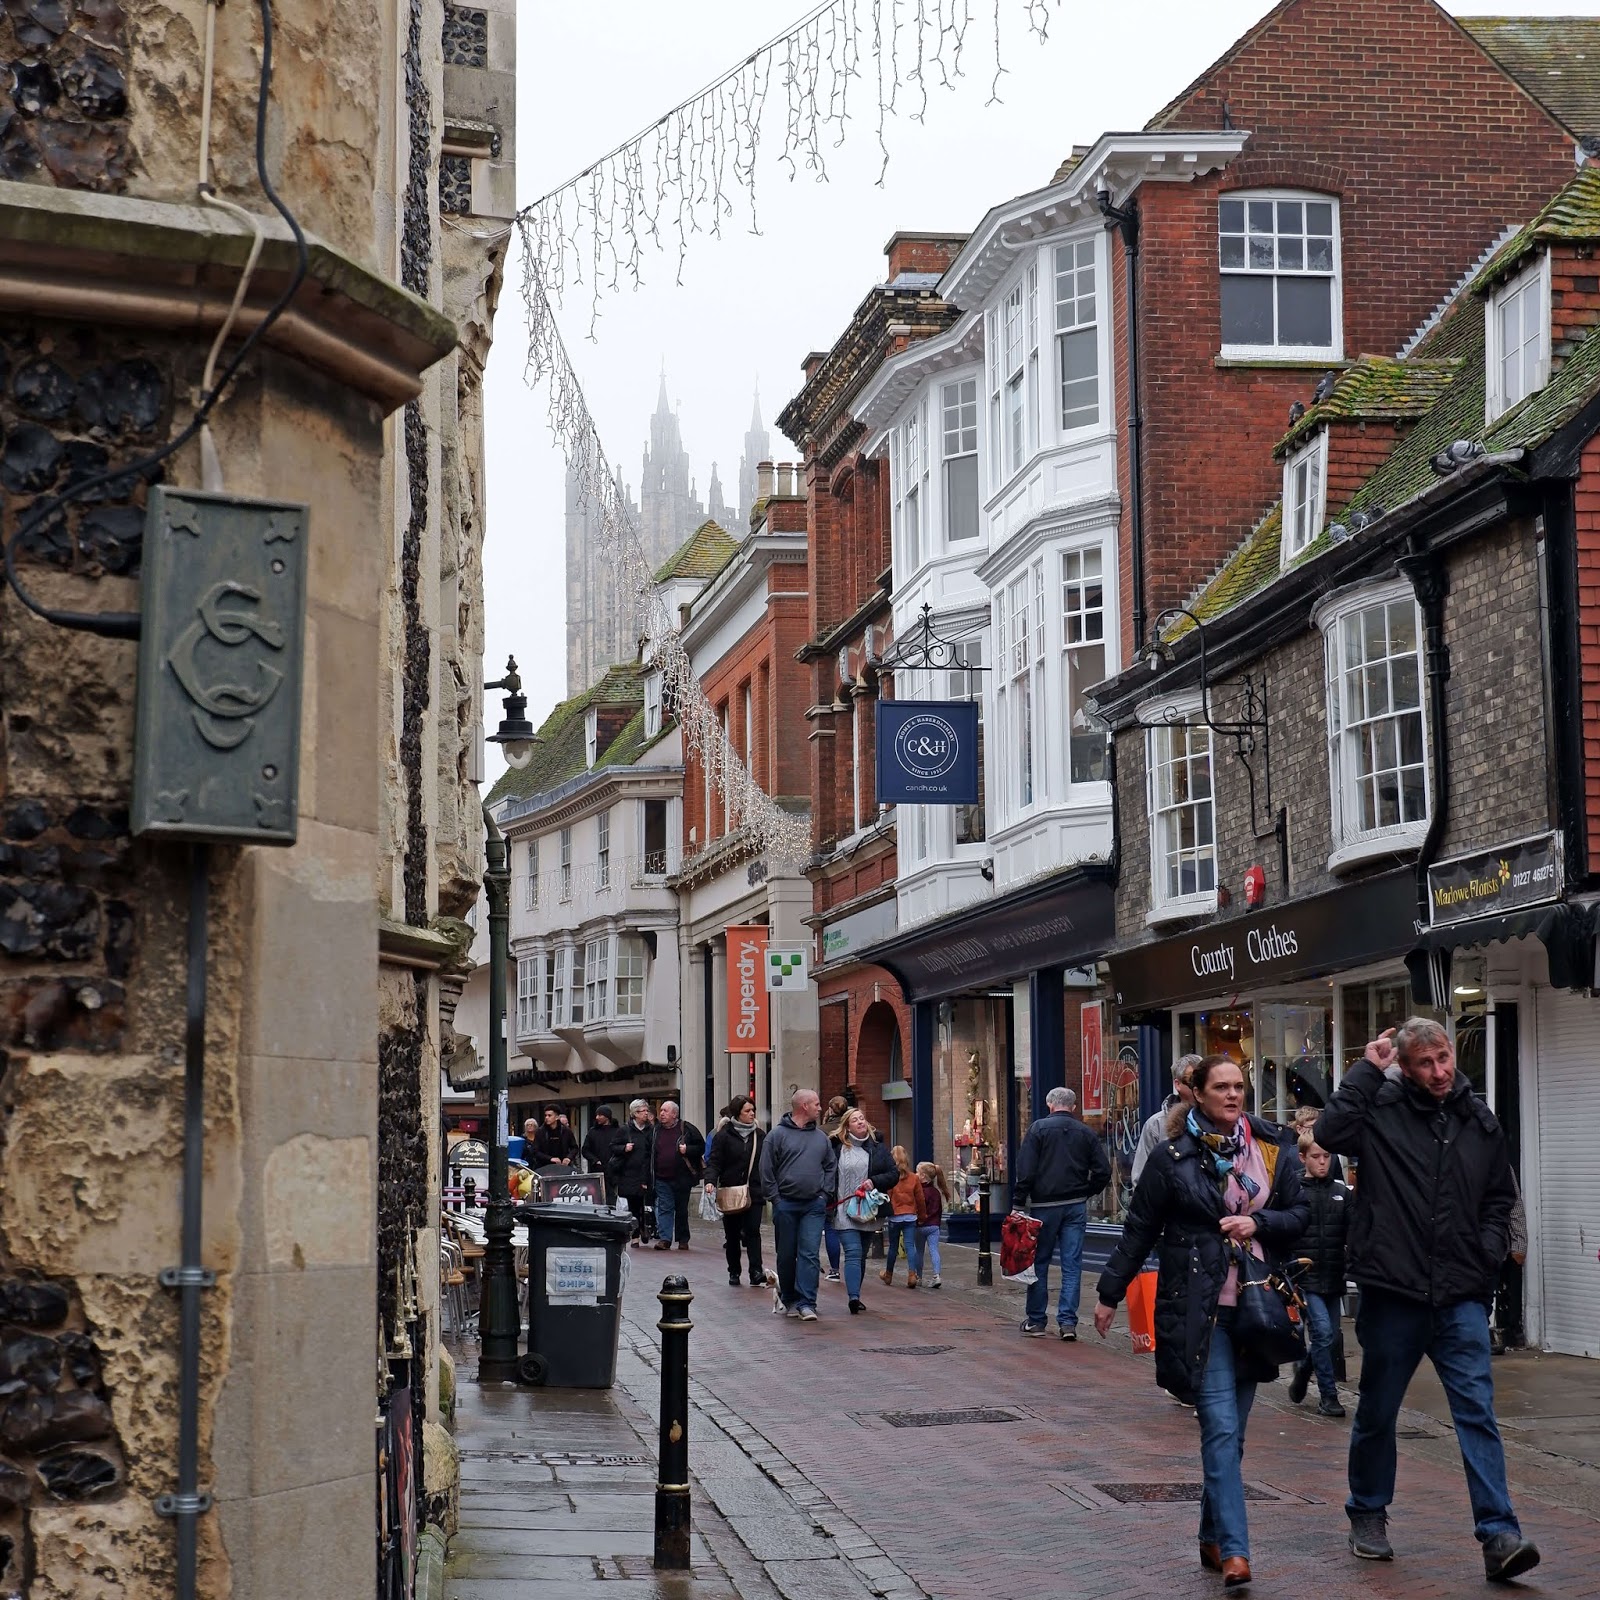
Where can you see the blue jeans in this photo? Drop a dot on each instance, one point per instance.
(798, 1226)
(853, 1243)
(925, 1244)
(672, 1211)
(1223, 1406)
(1395, 1335)
(902, 1228)
(1060, 1238)
(1322, 1312)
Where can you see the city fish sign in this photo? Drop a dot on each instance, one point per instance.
(927, 752)
(1492, 882)
(749, 1018)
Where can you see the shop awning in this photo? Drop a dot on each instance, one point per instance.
(1060, 921)
(1566, 931)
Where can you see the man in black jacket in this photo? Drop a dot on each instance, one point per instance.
(1061, 1164)
(597, 1146)
(1433, 1200)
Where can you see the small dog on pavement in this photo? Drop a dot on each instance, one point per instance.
(778, 1307)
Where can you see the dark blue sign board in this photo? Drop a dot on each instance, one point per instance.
(927, 752)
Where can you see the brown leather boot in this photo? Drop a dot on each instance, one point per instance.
(1235, 1573)
(1210, 1557)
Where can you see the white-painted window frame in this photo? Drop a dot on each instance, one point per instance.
(1305, 497)
(602, 855)
(1529, 291)
(1164, 724)
(1278, 351)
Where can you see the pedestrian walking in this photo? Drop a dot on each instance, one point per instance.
(1060, 1165)
(1428, 1233)
(733, 1176)
(1322, 1283)
(797, 1175)
(906, 1208)
(1223, 1182)
(935, 1192)
(630, 1167)
(832, 1121)
(1154, 1131)
(865, 1166)
(677, 1160)
(555, 1144)
(597, 1146)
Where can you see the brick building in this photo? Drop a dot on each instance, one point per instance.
(865, 1027)
(743, 631)
(1131, 339)
(1408, 818)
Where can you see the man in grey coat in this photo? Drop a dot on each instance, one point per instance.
(1155, 1126)
(798, 1164)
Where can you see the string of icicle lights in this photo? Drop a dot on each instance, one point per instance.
(676, 179)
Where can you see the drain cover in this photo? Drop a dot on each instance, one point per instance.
(1130, 1494)
(589, 1458)
(905, 1349)
(948, 1419)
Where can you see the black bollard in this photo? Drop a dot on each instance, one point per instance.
(985, 1260)
(672, 1471)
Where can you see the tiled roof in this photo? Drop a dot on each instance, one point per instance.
(1449, 368)
(1556, 59)
(702, 555)
(1573, 215)
(561, 752)
(1376, 387)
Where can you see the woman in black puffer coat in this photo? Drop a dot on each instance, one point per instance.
(1222, 1179)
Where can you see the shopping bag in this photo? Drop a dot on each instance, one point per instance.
(1019, 1237)
(1142, 1312)
(708, 1207)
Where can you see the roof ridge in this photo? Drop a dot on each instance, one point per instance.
(1507, 233)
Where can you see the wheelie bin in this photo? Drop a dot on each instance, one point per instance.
(577, 1266)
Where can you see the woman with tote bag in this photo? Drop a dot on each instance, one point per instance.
(733, 1179)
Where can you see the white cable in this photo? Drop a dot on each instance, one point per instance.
(205, 94)
(210, 460)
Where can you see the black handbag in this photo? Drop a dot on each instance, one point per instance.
(1270, 1321)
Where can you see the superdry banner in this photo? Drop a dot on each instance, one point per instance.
(927, 752)
(749, 1028)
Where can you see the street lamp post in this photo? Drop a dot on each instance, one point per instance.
(497, 1311)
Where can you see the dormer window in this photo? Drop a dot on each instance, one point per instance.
(1517, 339)
(1279, 258)
(1305, 494)
(591, 735)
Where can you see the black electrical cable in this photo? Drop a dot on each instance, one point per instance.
(125, 624)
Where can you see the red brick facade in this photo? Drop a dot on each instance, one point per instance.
(1385, 105)
(1586, 520)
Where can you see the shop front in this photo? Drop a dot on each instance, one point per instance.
(994, 993)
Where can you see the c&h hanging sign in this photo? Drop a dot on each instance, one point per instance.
(927, 752)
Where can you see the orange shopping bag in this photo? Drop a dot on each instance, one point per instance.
(1142, 1312)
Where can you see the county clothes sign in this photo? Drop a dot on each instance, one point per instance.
(927, 752)
(749, 1026)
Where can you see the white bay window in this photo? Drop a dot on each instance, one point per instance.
(1077, 335)
(959, 407)
(1083, 663)
(1377, 730)
(630, 976)
(597, 979)
(1019, 621)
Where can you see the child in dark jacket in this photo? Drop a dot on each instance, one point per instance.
(1324, 1280)
(905, 1216)
(935, 1191)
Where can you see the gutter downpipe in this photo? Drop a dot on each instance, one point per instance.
(1431, 583)
(1125, 219)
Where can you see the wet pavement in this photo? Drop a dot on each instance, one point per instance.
(926, 1449)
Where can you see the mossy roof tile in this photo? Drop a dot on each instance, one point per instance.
(1376, 387)
(702, 555)
(562, 750)
(1572, 216)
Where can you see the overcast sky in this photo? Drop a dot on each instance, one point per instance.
(750, 307)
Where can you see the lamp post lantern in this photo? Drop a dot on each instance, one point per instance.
(497, 1311)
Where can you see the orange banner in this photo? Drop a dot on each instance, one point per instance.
(749, 1019)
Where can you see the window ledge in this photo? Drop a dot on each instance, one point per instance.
(1404, 841)
(1184, 910)
(1294, 363)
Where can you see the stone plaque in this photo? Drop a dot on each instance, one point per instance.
(217, 738)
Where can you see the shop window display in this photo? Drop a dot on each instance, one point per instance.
(1284, 1047)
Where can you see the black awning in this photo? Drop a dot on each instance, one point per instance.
(1064, 920)
(1566, 931)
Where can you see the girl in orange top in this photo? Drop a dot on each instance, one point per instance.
(906, 1208)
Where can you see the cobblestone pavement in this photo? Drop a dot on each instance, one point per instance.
(1010, 1500)
(926, 1449)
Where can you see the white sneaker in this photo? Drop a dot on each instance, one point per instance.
(937, 1282)
(793, 1311)
(806, 1314)
(833, 1277)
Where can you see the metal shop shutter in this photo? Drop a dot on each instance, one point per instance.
(1569, 1196)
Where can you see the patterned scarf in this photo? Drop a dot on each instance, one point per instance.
(1224, 1150)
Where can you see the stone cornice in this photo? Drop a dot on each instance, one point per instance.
(114, 260)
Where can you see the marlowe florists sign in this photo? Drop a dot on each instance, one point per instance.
(1317, 937)
(749, 1027)
(1492, 882)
